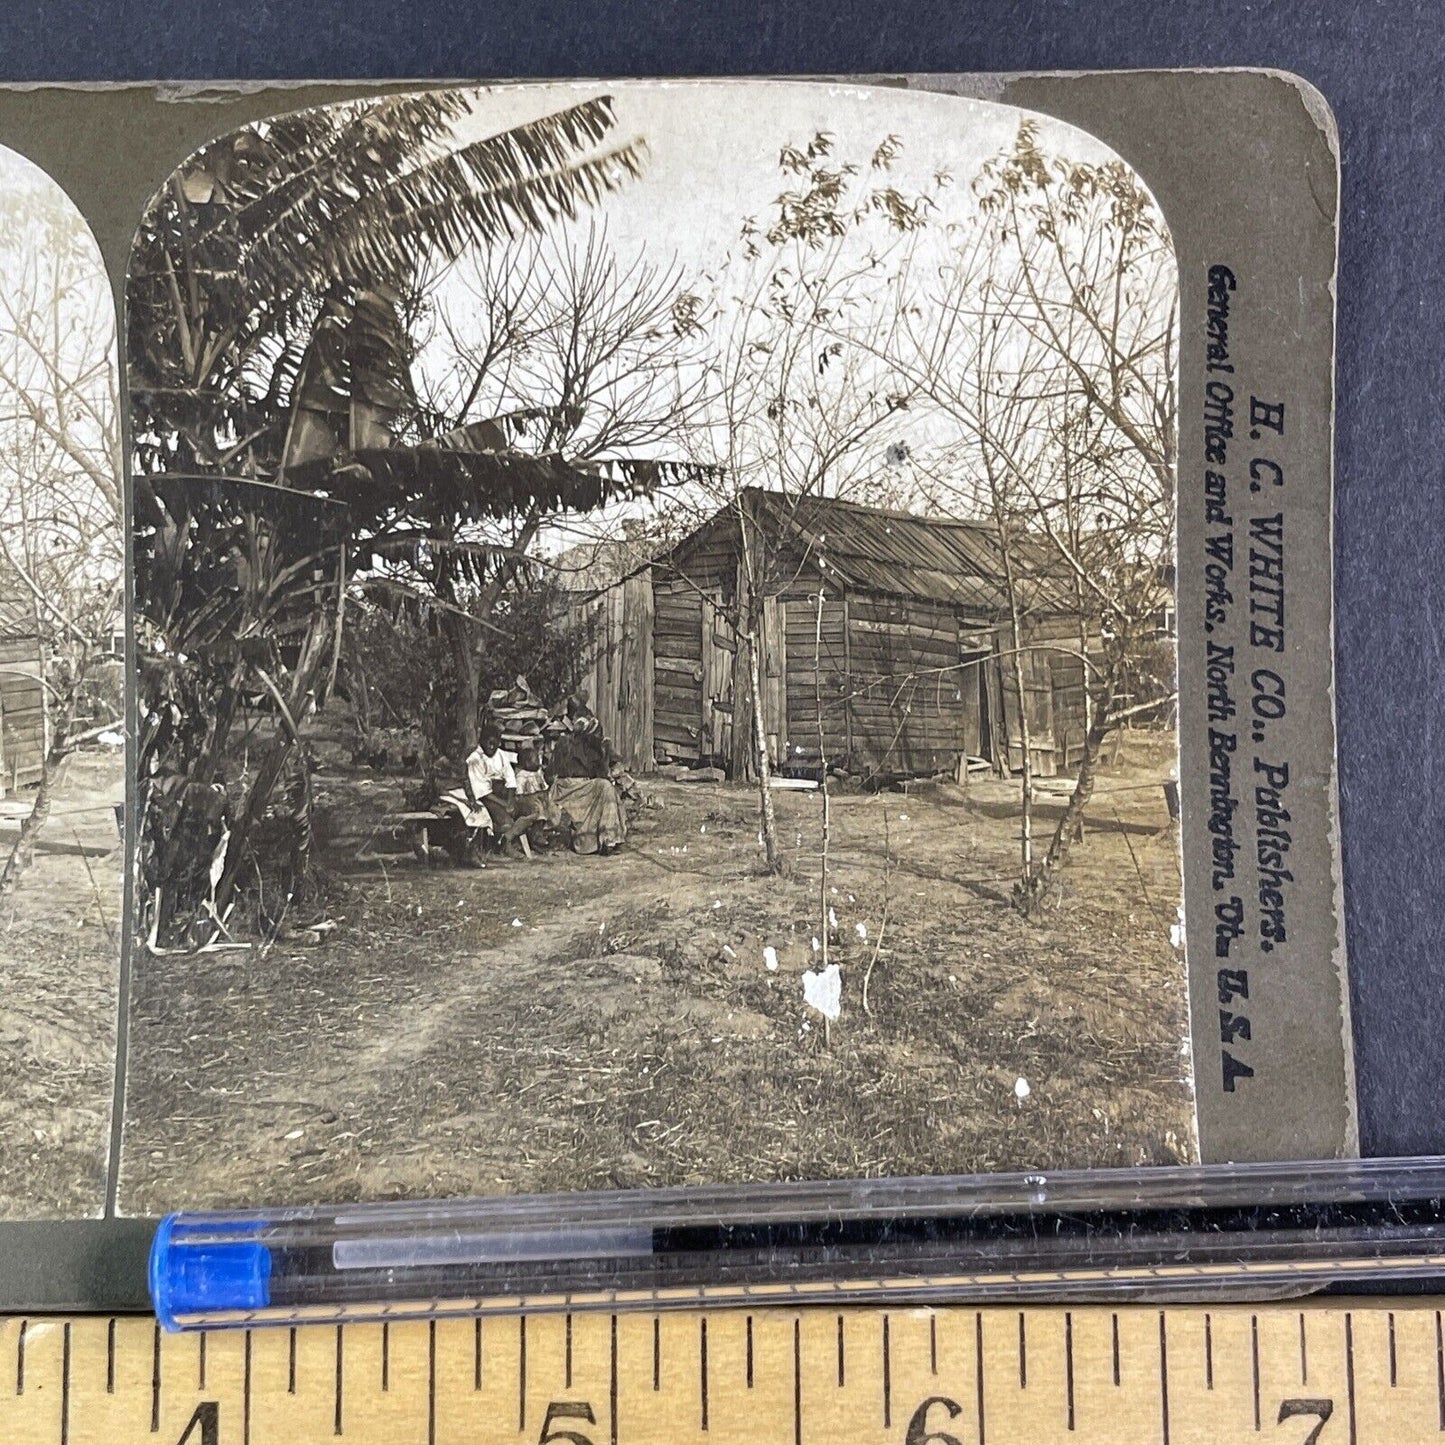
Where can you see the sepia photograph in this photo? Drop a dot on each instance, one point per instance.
(62, 683)
(655, 649)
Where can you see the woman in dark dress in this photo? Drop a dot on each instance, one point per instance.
(582, 788)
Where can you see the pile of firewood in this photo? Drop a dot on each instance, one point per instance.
(520, 716)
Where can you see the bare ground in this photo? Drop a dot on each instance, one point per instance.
(59, 959)
(610, 1022)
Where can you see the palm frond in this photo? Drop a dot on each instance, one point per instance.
(370, 208)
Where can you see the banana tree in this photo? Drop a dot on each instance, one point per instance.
(267, 331)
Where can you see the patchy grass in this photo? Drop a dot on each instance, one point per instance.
(59, 961)
(599, 1022)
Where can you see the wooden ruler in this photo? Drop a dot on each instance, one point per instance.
(1317, 1375)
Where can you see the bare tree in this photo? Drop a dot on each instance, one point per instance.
(803, 402)
(60, 505)
(550, 347)
(1070, 277)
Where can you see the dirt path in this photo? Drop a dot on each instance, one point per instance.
(59, 960)
(589, 1022)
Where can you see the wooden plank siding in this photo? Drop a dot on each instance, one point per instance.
(677, 669)
(1054, 688)
(620, 673)
(914, 667)
(22, 711)
(718, 651)
(816, 671)
(915, 707)
(908, 686)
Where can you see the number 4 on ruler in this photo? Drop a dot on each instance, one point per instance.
(204, 1427)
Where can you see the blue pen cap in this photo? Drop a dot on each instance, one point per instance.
(199, 1276)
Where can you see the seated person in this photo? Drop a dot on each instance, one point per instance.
(583, 791)
(529, 773)
(583, 752)
(492, 781)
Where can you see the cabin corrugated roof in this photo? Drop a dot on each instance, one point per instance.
(900, 554)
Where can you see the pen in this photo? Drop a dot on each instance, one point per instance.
(1169, 1233)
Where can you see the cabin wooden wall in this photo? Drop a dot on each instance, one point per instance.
(739, 759)
(807, 684)
(716, 657)
(677, 647)
(1054, 689)
(907, 685)
(619, 678)
(22, 712)
(915, 707)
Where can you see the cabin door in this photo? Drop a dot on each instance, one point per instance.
(677, 664)
(719, 648)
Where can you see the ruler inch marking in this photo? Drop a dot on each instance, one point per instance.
(246, 1390)
(1440, 1369)
(1069, 1364)
(431, 1381)
(612, 1383)
(702, 1366)
(978, 1372)
(1349, 1370)
(336, 1419)
(1163, 1378)
(1254, 1364)
(65, 1385)
(156, 1380)
(62, 1372)
(797, 1382)
(887, 1380)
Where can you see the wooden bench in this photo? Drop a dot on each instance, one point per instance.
(419, 825)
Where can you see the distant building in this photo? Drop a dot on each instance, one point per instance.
(23, 714)
(909, 669)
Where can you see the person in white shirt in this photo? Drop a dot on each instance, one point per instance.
(491, 781)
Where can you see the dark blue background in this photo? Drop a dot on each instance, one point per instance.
(1382, 66)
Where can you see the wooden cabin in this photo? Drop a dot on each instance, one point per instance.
(620, 675)
(23, 713)
(886, 645)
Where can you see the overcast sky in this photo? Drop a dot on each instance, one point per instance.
(714, 147)
(714, 160)
(713, 152)
(56, 325)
